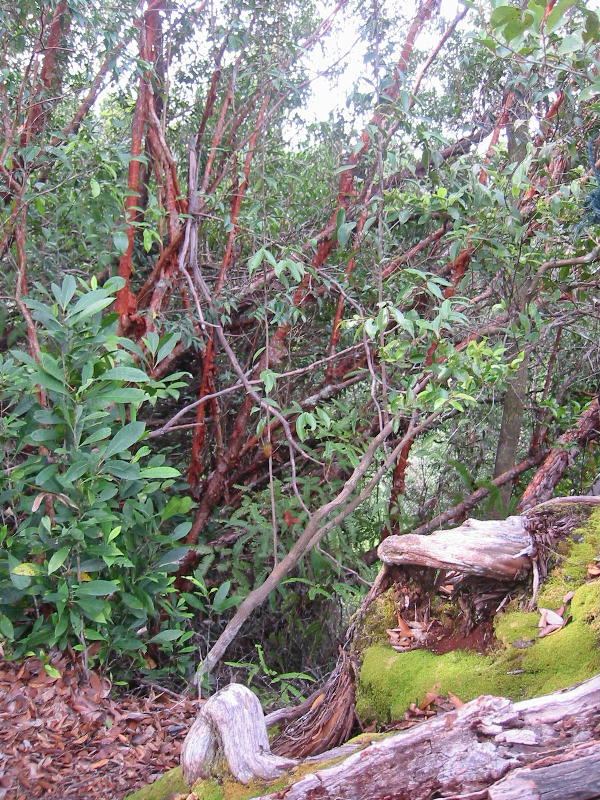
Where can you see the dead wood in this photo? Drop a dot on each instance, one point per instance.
(570, 443)
(491, 549)
(491, 749)
(329, 719)
(568, 775)
(231, 725)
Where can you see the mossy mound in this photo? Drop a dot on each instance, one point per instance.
(168, 784)
(522, 666)
(171, 784)
(371, 630)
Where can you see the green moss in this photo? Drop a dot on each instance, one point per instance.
(516, 626)
(168, 784)
(229, 789)
(372, 629)
(523, 665)
(390, 681)
(582, 546)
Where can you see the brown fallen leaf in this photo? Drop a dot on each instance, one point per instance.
(548, 629)
(458, 703)
(317, 701)
(402, 626)
(549, 617)
(430, 697)
(103, 762)
(593, 569)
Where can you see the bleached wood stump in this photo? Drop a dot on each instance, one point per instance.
(231, 726)
(490, 548)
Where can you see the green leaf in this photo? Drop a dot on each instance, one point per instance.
(97, 436)
(170, 560)
(183, 528)
(167, 346)
(124, 438)
(168, 635)
(95, 187)
(268, 377)
(52, 366)
(52, 671)
(151, 341)
(344, 231)
(125, 394)
(58, 559)
(6, 628)
(43, 435)
(555, 16)
(159, 472)
(93, 608)
(255, 261)
(502, 15)
(130, 374)
(570, 44)
(124, 470)
(67, 290)
(148, 239)
(48, 382)
(120, 241)
(176, 505)
(220, 596)
(90, 303)
(27, 568)
(76, 470)
(98, 588)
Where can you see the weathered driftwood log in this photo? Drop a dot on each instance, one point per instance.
(570, 775)
(544, 746)
(492, 549)
(231, 726)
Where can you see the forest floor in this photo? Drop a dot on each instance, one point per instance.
(68, 737)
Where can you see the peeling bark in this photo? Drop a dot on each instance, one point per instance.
(551, 471)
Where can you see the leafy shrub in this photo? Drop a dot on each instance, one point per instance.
(91, 524)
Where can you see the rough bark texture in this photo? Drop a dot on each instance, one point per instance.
(469, 752)
(570, 775)
(489, 548)
(231, 725)
(551, 471)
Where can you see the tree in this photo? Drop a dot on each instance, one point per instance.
(344, 307)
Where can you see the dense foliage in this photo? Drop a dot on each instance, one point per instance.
(232, 338)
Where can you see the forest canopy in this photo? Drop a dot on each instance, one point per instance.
(243, 339)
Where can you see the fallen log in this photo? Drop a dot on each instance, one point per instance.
(501, 550)
(490, 548)
(544, 748)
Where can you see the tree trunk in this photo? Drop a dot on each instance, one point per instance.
(513, 411)
(570, 443)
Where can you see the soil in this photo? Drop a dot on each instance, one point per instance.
(480, 640)
(68, 736)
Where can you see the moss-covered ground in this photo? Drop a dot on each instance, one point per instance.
(522, 666)
(172, 785)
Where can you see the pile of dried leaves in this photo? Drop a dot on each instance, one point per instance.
(62, 735)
